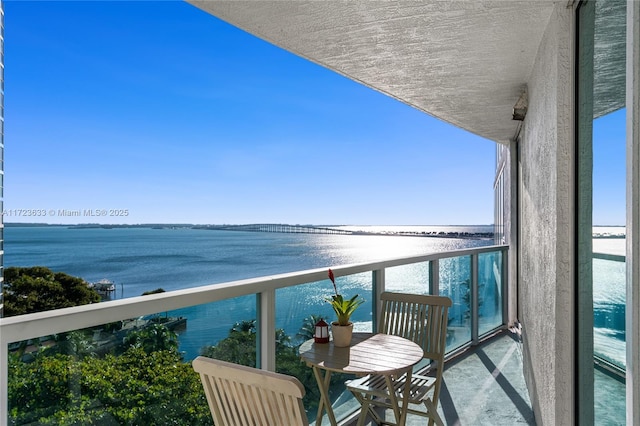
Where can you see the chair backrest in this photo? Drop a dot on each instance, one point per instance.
(419, 318)
(246, 396)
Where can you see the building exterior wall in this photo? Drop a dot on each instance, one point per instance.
(546, 265)
(1, 150)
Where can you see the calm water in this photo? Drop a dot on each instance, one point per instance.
(142, 259)
(609, 297)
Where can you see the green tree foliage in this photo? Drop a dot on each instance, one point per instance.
(35, 289)
(142, 382)
(308, 328)
(154, 337)
(239, 347)
(134, 388)
(77, 343)
(156, 291)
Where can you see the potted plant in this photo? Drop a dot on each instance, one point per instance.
(342, 329)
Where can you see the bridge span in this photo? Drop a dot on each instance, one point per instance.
(279, 227)
(327, 229)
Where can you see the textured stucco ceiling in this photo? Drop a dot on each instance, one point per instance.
(609, 57)
(465, 62)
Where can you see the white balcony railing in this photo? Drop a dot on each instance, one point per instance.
(32, 326)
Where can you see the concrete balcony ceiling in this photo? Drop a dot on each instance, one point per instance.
(464, 62)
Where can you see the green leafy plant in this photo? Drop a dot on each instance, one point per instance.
(343, 308)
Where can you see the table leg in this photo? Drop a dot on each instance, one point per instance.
(399, 411)
(325, 402)
(405, 398)
(394, 401)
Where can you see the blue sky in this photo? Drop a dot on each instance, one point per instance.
(165, 111)
(609, 168)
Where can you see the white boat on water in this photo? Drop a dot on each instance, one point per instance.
(103, 286)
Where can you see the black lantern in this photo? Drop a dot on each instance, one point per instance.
(321, 334)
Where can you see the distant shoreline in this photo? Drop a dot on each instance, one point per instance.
(281, 228)
(188, 225)
(308, 228)
(98, 225)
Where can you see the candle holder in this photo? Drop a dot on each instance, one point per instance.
(321, 334)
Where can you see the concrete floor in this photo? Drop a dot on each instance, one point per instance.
(609, 399)
(485, 386)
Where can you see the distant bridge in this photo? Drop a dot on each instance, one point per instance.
(278, 227)
(311, 229)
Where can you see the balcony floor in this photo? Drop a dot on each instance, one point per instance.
(485, 386)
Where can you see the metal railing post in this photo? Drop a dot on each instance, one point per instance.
(378, 287)
(4, 381)
(475, 320)
(266, 338)
(434, 277)
(504, 287)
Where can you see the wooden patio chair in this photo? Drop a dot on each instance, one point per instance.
(245, 396)
(422, 319)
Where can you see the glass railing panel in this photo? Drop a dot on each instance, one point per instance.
(297, 310)
(455, 283)
(609, 296)
(412, 278)
(223, 330)
(104, 375)
(136, 371)
(295, 323)
(61, 388)
(295, 305)
(489, 291)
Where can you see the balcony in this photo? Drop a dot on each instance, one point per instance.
(475, 279)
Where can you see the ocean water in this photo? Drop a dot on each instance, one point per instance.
(609, 296)
(143, 259)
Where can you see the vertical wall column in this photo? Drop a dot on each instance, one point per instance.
(546, 271)
(633, 213)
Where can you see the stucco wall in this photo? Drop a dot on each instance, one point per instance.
(546, 235)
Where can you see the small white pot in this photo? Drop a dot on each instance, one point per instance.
(341, 334)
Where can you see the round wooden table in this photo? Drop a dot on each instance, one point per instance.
(381, 354)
